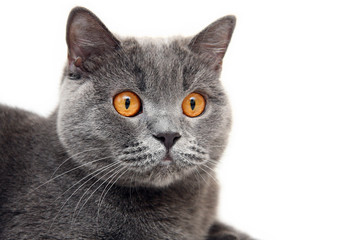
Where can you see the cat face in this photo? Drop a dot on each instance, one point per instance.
(159, 142)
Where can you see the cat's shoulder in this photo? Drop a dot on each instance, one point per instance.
(15, 121)
(17, 133)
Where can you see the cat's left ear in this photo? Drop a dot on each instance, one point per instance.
(87, 36)
(214, 40)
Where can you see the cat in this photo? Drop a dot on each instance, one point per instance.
(130, 151)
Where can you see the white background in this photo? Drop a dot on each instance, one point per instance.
(292, 71)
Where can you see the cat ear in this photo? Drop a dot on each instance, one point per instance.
(86, 36)
(213, 41)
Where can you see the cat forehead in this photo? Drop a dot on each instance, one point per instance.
(158, 42)
(158, 68)
(164, 63)
(156, 49)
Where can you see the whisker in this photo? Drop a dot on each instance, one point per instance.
(102, 194)
(209, 174)
(73, 169)
(201, 175)
(96, 171)
(102, 198)
(77, 205)
(212, 162)
(212, 170)
(63, 205)
(197, 178)
(88, 150)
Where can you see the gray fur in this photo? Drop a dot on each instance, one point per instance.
(86, 172)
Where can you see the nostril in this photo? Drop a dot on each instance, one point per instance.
(168, 138)
(160, 138)
(176, 138)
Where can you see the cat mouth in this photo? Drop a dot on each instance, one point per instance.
(167, 158)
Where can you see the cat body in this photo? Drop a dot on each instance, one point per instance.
(181, 211)
(88, 171)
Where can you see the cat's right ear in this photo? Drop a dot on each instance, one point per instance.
(86, 36)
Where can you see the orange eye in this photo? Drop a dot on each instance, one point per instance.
(127, 104)
(193, 105)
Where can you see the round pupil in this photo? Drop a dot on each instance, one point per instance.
(127, 103)
(192, 103)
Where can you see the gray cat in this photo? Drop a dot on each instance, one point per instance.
(129, 152)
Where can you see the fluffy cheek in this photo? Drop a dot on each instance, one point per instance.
(213, 130)
(78, 138)
(95, 131)
(77, 129)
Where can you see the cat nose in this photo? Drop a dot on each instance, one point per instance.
(168, 138)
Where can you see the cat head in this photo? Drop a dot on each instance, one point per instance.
(149, 111)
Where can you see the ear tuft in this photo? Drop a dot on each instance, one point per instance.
(214, 40)
(86, 35)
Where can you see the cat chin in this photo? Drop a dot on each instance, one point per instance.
(159, 181)
(164, 174)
